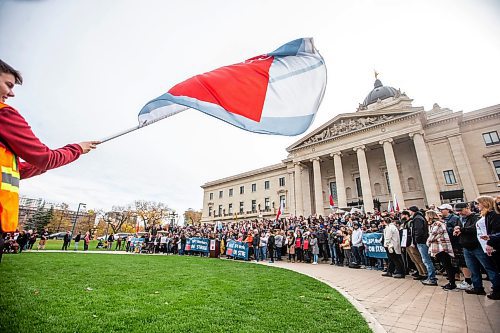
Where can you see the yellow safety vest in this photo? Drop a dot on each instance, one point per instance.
(9, 189)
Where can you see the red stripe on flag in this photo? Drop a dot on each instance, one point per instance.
(239, 88)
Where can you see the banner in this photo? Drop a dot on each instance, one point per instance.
(237, 250)
(136, 241)
(373, 245)
(198, 244)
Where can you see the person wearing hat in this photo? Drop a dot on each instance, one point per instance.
(473, 253)
(452, 220)
(420, 233)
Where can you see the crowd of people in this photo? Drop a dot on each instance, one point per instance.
(460, 242)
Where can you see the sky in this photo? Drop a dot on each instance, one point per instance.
(89, 67)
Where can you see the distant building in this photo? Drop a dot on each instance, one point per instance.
(386, 148)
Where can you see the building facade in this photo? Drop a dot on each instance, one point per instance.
(388, 149)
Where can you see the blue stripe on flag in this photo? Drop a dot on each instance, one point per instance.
(289, 49)
(268, 125)
(294, 73)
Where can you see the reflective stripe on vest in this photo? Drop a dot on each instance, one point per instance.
(10, 180)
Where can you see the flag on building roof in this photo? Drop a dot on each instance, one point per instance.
(274, 93)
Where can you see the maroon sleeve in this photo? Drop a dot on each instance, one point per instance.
(19, 138)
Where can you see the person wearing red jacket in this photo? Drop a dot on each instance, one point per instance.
(17, 141)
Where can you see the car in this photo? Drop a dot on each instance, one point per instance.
(115, 236)
(57, 235)
(122, 235)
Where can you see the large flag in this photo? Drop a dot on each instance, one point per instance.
(332, 203)
(281, 210)
(274, 93)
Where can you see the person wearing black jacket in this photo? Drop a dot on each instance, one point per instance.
(77, 240)
(270, 246)
(66, 241)
(473, 253)
(255, 243)
(420, 233)
(411, 247)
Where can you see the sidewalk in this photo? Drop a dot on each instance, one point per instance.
(405, 305)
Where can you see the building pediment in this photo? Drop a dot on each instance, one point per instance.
(348, 123)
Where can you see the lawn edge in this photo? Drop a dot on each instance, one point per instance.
(370, 319)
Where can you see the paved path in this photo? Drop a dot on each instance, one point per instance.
(399, 305)
(405, 305)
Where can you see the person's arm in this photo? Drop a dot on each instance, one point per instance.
(494, 240)
(18, 136)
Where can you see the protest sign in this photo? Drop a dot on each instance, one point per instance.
(373, 245)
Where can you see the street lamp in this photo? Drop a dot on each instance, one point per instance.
(173, 216)
(76, 216)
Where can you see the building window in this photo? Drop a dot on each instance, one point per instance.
(496, 164)
(412, 185)
(209, 210)
(266, 185)
(254, 187)
(211, 196)
(220, 210)
(348, 193)
(230, 192)
(230, 209)
(241, 207)
(378, 189)
(267, 204)
(358, 187)
(333, 190)
(449, 177)
(282, 181)
(220, 194)
(282, 201)
(254, 206)
(388, 182)
(491, 138)
(242, 189)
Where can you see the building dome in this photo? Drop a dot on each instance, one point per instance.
(379, 92)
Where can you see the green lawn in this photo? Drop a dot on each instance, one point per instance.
(76, 292)
(56, 244)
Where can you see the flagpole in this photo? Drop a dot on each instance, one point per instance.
(143, 124)
(116, 135)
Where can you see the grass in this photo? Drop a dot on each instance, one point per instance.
(56, 244)
(76, 292)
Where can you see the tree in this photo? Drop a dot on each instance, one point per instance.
(151, 213)
(119, 217)
(86, 221)
(60, 219)
(42, 217)
(192, 217)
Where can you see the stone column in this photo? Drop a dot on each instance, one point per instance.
(339, 180)
(299, 206)
(426, 169)
(318, 188)
(463, 167)
(365, 179)
(290, 195)
(392, 170)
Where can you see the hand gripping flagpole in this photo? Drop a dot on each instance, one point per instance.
(143, 124)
